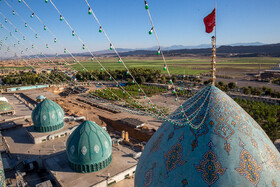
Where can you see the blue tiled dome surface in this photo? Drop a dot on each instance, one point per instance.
(228, 149)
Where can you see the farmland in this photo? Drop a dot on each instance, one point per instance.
(188, 66)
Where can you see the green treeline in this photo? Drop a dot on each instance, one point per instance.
(264, 91)
(30, 78)
(141, 75)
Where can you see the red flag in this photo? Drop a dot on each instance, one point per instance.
(210, 21)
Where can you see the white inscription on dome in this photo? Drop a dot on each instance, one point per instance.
(84, 150)
(53, 115)
(106, 144)
(59, 114)
(96, 148)
(44, 117)
(72, 149)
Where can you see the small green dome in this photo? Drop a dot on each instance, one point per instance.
(47, 116)
(89, 148)
(5, 106)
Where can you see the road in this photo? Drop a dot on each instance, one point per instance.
(246, 83)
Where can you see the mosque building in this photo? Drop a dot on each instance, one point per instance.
(90, 159)
(48, 122)
(209, 141)
(76, 154)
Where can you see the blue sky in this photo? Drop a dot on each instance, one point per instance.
(178, 22)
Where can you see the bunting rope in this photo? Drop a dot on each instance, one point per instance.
(50, 81)
(134, 80)
(33, 46)
(27, 25)
(80, 64)
(111, 45)
(153, 30)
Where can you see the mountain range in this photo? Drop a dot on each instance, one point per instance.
(255, 49)
(175, 47)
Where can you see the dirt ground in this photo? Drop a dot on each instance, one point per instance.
(71, 106)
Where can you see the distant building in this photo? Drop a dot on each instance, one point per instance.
(277, 67)
(274, 72)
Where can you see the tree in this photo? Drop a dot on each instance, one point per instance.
(174, 79)
(246, 91)
(220, 83)
(231, 85)
(206, 82)
(163, 80)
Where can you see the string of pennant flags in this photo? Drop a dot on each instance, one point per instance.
(45, 27)
(209, 21)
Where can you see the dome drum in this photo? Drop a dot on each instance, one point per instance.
(49, 128)
(88, 168)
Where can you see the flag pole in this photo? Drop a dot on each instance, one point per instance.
(215, 21)
(213, 63)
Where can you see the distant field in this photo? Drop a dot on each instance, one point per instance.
(189, 66)
(17, 68)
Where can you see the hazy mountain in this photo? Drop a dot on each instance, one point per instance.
(174, 47)
(247, 44)
(272, 50)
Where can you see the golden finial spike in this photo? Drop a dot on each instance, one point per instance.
(213, 62)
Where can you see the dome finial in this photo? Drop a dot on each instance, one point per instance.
(213, 62)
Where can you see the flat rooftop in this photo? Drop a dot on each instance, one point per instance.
(67, 126)
(21, 145)
(36, 92)
(59, 167)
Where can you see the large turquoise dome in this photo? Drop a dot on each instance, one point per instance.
(47, 116)
(213, 142)
(89, 148)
